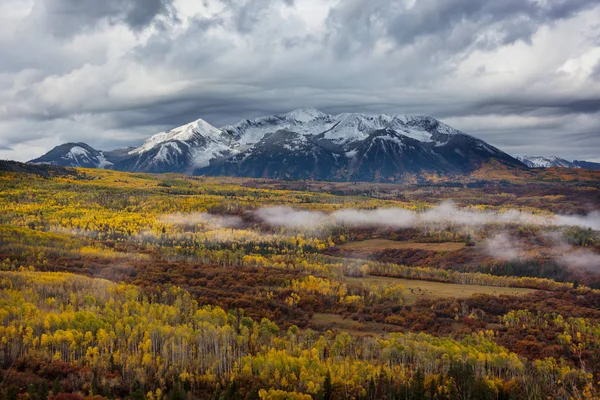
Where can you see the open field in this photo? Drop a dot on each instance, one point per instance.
(386, 244)
(415, 289)
(337, 322)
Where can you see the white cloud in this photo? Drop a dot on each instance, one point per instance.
(444, 214)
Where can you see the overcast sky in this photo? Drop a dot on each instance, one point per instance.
(522, 75)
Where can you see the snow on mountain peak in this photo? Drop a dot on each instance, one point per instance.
(76, 152)
(546, 162)
(181, 133)
(305, 114)
(341, 129)
(82, 157)
(306, 121)
(352, 127)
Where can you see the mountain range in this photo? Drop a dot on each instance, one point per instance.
(553, 161)
(302, 144)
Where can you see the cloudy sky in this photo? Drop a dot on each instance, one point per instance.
(522, 74)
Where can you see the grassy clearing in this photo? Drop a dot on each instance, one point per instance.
(386, 244)
(321, 321)
(415, 289)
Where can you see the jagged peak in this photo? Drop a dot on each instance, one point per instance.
(182, 133)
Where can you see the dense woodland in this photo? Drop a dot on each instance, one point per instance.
(116, 285)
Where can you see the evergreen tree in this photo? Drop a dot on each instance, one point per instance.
(327, 389)
(418, 386)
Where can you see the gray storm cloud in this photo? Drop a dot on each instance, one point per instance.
(69, 17)
(522, 75)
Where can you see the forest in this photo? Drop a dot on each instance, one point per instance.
(116, 285)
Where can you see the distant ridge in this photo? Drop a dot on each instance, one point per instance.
(44, 170)
(553, 161)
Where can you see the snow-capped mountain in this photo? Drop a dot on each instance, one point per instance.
(309, 144)
(181, 149)
(304, 121)
(546, 162)
(74, 155)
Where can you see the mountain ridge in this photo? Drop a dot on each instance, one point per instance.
(301, 144)
(546, 162)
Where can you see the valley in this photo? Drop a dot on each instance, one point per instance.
(299, 200)
(135, 285)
